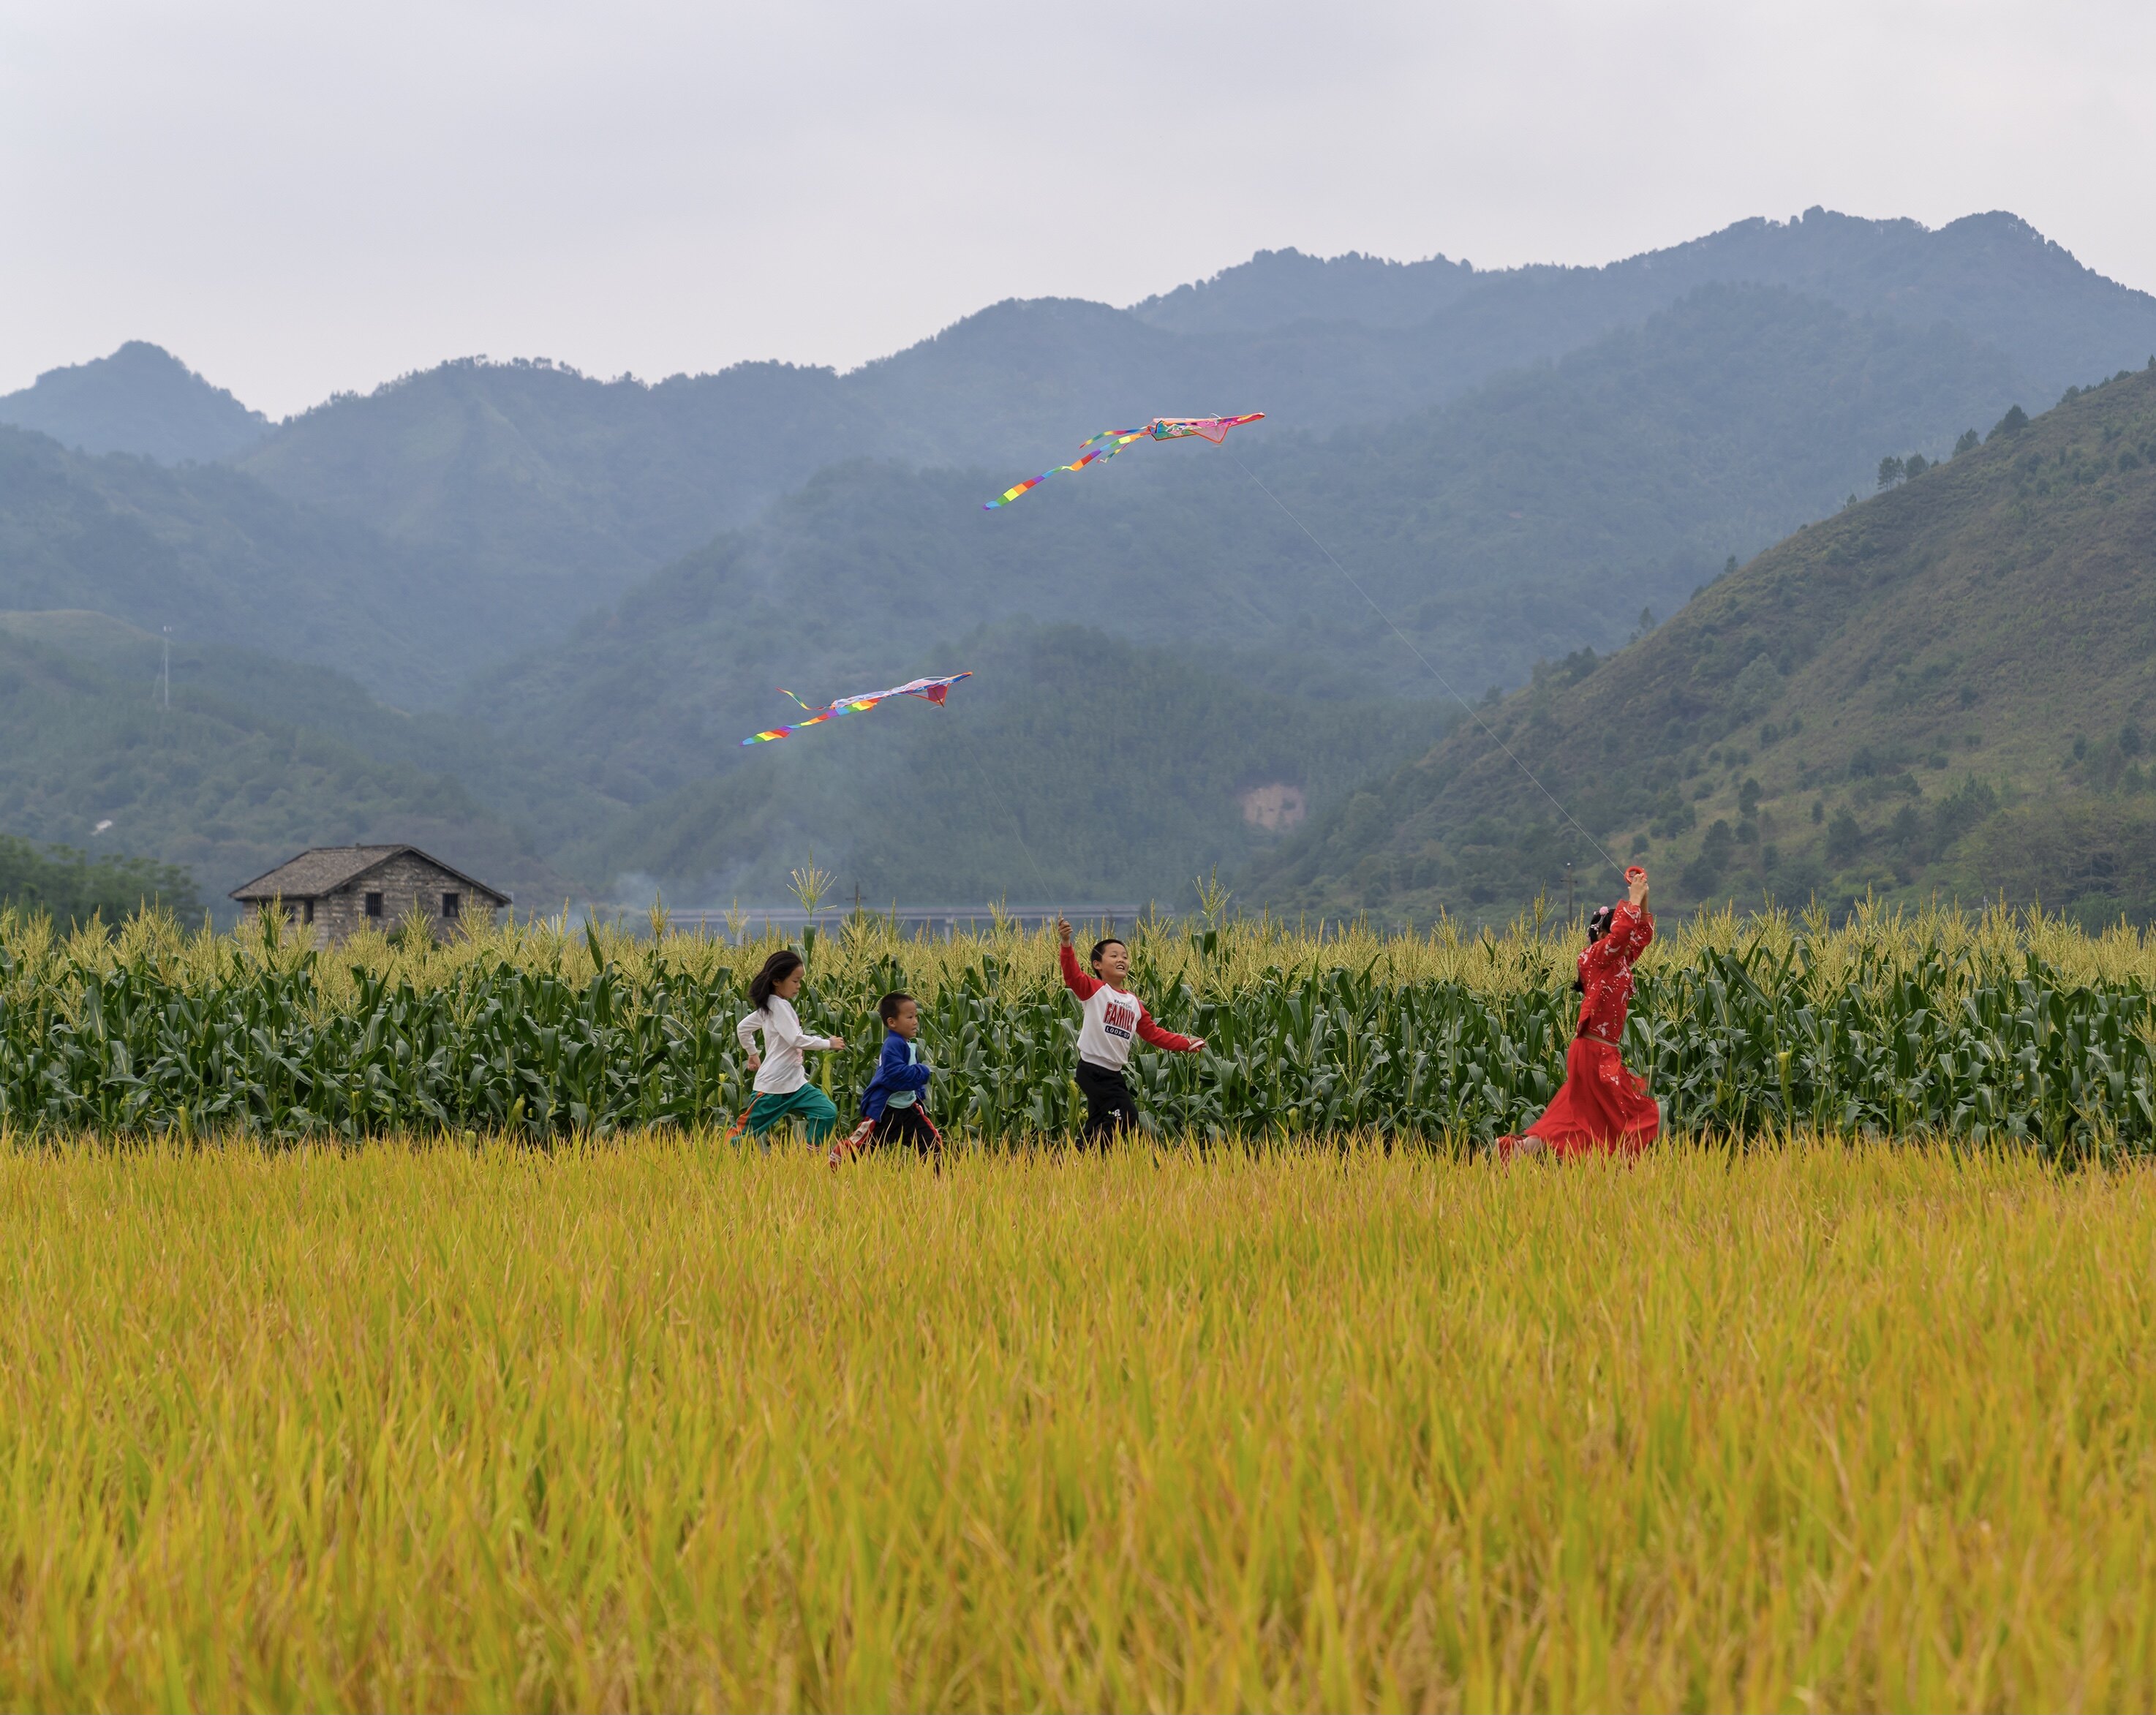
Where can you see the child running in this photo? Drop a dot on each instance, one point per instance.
(891, 1108)
(1112, 1015)
(1602, 1107)
(783, 1089)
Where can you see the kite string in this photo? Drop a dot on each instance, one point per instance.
(1440, 678)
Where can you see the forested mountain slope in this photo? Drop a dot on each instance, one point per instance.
(1993, 276)
(468, 511)
(1279, 288)
(1949, 688)
(1073, 767)
(1513, 464)
(255, 758)
(211, 552)
(1542, 512)
(524, 468)
(563, 484)
(141, 400)
(71, 886)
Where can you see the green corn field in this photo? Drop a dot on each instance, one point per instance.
(1985, 1027)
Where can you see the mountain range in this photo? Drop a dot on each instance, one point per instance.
(568, 598)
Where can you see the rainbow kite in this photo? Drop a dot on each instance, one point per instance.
(929, 691)
(1109, 442)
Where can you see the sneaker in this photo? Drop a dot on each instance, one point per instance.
(847, 1148)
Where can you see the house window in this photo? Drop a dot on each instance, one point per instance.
(374, 904)
(306, 911)
(451, 904)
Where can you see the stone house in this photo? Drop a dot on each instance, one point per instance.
(333, 890)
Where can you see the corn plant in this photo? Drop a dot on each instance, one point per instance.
(1993, 1027)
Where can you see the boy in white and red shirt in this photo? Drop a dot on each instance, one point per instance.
(1113, 1016)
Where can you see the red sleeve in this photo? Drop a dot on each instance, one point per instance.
(1631, 929)
(1148, 1031)
(1075, 980)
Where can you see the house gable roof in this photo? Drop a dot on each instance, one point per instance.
(324, 869)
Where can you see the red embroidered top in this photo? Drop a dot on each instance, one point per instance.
(1605, 971)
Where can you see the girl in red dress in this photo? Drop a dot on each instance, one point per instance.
(1602, 1107)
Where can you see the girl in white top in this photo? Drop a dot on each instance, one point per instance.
(783, 1089)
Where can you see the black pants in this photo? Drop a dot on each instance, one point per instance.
(1109, 1104)
(906, 1125)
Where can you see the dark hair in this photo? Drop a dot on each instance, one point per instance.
(781, 965)
(887, 1008)
(1598, 926)
(1102, 946)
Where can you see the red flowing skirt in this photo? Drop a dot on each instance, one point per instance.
(1601, 1106)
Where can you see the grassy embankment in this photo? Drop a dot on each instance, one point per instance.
(662, 1424)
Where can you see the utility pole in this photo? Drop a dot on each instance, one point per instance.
(1567, 890)
(168, 666)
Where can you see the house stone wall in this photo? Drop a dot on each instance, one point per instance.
(403, 882)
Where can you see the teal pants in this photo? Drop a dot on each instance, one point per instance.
(809, 1105)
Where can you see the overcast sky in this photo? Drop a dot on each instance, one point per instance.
(298, 198)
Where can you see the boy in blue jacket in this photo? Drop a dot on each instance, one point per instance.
(891, 1108)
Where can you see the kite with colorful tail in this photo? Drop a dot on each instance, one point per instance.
(929, 691)
(1109, 442)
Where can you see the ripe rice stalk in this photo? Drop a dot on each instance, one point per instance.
(440, 1423)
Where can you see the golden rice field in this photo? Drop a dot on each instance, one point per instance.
(661, 1424)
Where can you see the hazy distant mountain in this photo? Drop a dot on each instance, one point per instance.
(254, 759)
(1073, 766)
(520, 470)
(221, 558)
(1993, 276)
(563, 486)
(1948, 690)
(1538, 514)
(1279, 288)
(142, 400)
